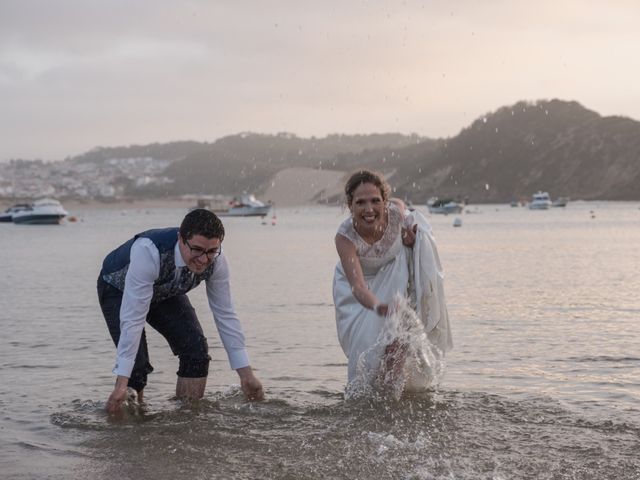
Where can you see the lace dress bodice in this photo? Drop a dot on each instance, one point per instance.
(373, 257)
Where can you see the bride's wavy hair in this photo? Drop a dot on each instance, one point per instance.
(366, 176)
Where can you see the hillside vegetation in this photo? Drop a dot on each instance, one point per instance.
(557, 146)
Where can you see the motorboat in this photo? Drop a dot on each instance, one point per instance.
(7, 215)
(245, 206)
(46, 211)
(213, 203)
(444, 206)
(540, 201)
(560, 202)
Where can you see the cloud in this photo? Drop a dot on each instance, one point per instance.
(84, 72)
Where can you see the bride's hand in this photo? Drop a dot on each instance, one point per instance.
(382, 309)
(409, 236)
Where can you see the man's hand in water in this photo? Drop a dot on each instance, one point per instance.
(250, 384)
(118, 396)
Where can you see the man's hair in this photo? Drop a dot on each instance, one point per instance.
(201, 221)
(366, 176)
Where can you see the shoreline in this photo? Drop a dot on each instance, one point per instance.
(120, 204)
(129, 204)
(73, 205)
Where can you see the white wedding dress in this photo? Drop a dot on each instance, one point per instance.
(393, 273)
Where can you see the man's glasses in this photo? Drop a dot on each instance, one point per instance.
(199, 251)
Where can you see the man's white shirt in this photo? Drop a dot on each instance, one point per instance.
(144, 270)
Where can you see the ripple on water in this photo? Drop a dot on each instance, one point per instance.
(444, 434)
(34, 366)
(602, 358)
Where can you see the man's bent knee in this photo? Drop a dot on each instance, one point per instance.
(194, 366)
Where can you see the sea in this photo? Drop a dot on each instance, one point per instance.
(543, 381)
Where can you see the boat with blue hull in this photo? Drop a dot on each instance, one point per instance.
(7, 215)
(245, 206)
(540, 201)
(444, 206)
(46, 211)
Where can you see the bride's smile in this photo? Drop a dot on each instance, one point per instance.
(368, 211)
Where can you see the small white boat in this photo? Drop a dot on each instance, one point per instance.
(444, 206)
(7, 215)
(46, 211)
(245, 206)
(540, 201)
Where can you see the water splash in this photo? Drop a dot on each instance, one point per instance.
(406, 361)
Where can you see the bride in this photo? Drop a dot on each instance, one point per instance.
(387, 261)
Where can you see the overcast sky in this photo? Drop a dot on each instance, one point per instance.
(79, 74)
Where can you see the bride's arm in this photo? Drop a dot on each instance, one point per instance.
(353, 271)
(408, 231)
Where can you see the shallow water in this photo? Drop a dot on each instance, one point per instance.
(543, 381)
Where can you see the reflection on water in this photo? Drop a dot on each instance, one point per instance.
(543, 381)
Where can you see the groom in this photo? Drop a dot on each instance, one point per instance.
(146, 280)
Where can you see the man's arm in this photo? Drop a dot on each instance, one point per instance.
(118, 395)
(251, 386)
(230, 329)
(144, 268)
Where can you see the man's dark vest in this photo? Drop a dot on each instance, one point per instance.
(172, 280)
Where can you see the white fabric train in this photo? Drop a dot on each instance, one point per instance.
(415, 274)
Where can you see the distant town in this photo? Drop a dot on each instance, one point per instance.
(108, 180)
